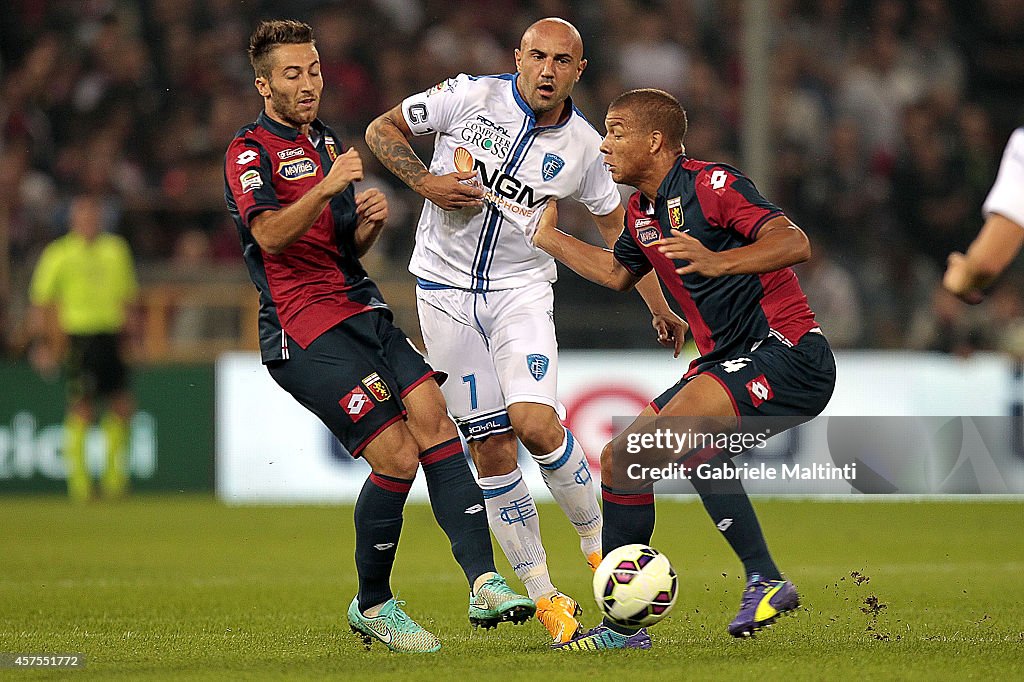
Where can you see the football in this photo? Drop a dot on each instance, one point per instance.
(635, 585)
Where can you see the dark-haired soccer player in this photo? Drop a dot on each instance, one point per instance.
(327, 337)
(724, 253)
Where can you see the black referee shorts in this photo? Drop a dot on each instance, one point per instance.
(94, 367)
(353, 377)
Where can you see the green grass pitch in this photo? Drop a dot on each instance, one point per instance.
(182, 587)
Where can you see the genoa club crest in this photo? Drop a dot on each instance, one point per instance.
(675, 213)
(377, 388)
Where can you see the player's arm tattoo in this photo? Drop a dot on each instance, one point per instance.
(390, 145)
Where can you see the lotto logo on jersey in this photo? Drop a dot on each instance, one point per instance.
(717, 180)
(297, 169)
(377, 388)
(356, 404)
(760, 390)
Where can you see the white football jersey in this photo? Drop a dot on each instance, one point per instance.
(483, 123)
(1007, 194)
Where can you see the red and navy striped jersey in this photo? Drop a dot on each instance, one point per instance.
(316, 282)
(720, 207)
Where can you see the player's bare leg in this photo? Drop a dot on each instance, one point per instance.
(458, 506)
(563, 464)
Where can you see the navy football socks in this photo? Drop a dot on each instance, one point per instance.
(458, 505)
(378, 519)
(628, 518)
(730, 509)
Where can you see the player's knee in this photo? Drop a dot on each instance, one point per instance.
(403, 464)
(431, 425)
(607, 460)
(537, 426)
(495, 455)
(393, 453)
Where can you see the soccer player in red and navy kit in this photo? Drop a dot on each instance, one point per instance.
(724, 253)
(326, 337)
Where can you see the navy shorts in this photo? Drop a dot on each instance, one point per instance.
(353, 377)
(773, 380)
(95, 368)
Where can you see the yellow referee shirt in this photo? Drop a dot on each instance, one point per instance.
(91, 283)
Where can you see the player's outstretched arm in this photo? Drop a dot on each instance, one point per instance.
(990, 253)
(778, 244)
(276, 230)
(589, 261)
(671, 328)
(388, 137)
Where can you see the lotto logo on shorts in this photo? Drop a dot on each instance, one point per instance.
(376, 386)
(760, 390)
(356, 404)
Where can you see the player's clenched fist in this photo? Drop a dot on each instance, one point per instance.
(957, 280)
(371, 206)
(347, 168)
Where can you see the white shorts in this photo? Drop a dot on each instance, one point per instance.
(498, 348)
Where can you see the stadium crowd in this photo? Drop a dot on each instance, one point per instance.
(887, 120)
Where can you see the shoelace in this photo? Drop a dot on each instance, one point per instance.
(402, 619)
(497, 585)
(751, 595)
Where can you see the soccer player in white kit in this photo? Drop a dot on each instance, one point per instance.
(1002, 235)
(503, 146)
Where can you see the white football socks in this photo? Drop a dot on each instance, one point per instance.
(512, 516)
(567, 476)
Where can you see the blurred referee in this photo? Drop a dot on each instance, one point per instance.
(87, 278)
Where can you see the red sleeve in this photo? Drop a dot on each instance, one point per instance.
(249, 176)
(730, 200)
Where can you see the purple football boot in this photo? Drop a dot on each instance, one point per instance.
(763, 602)
(603, 637)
